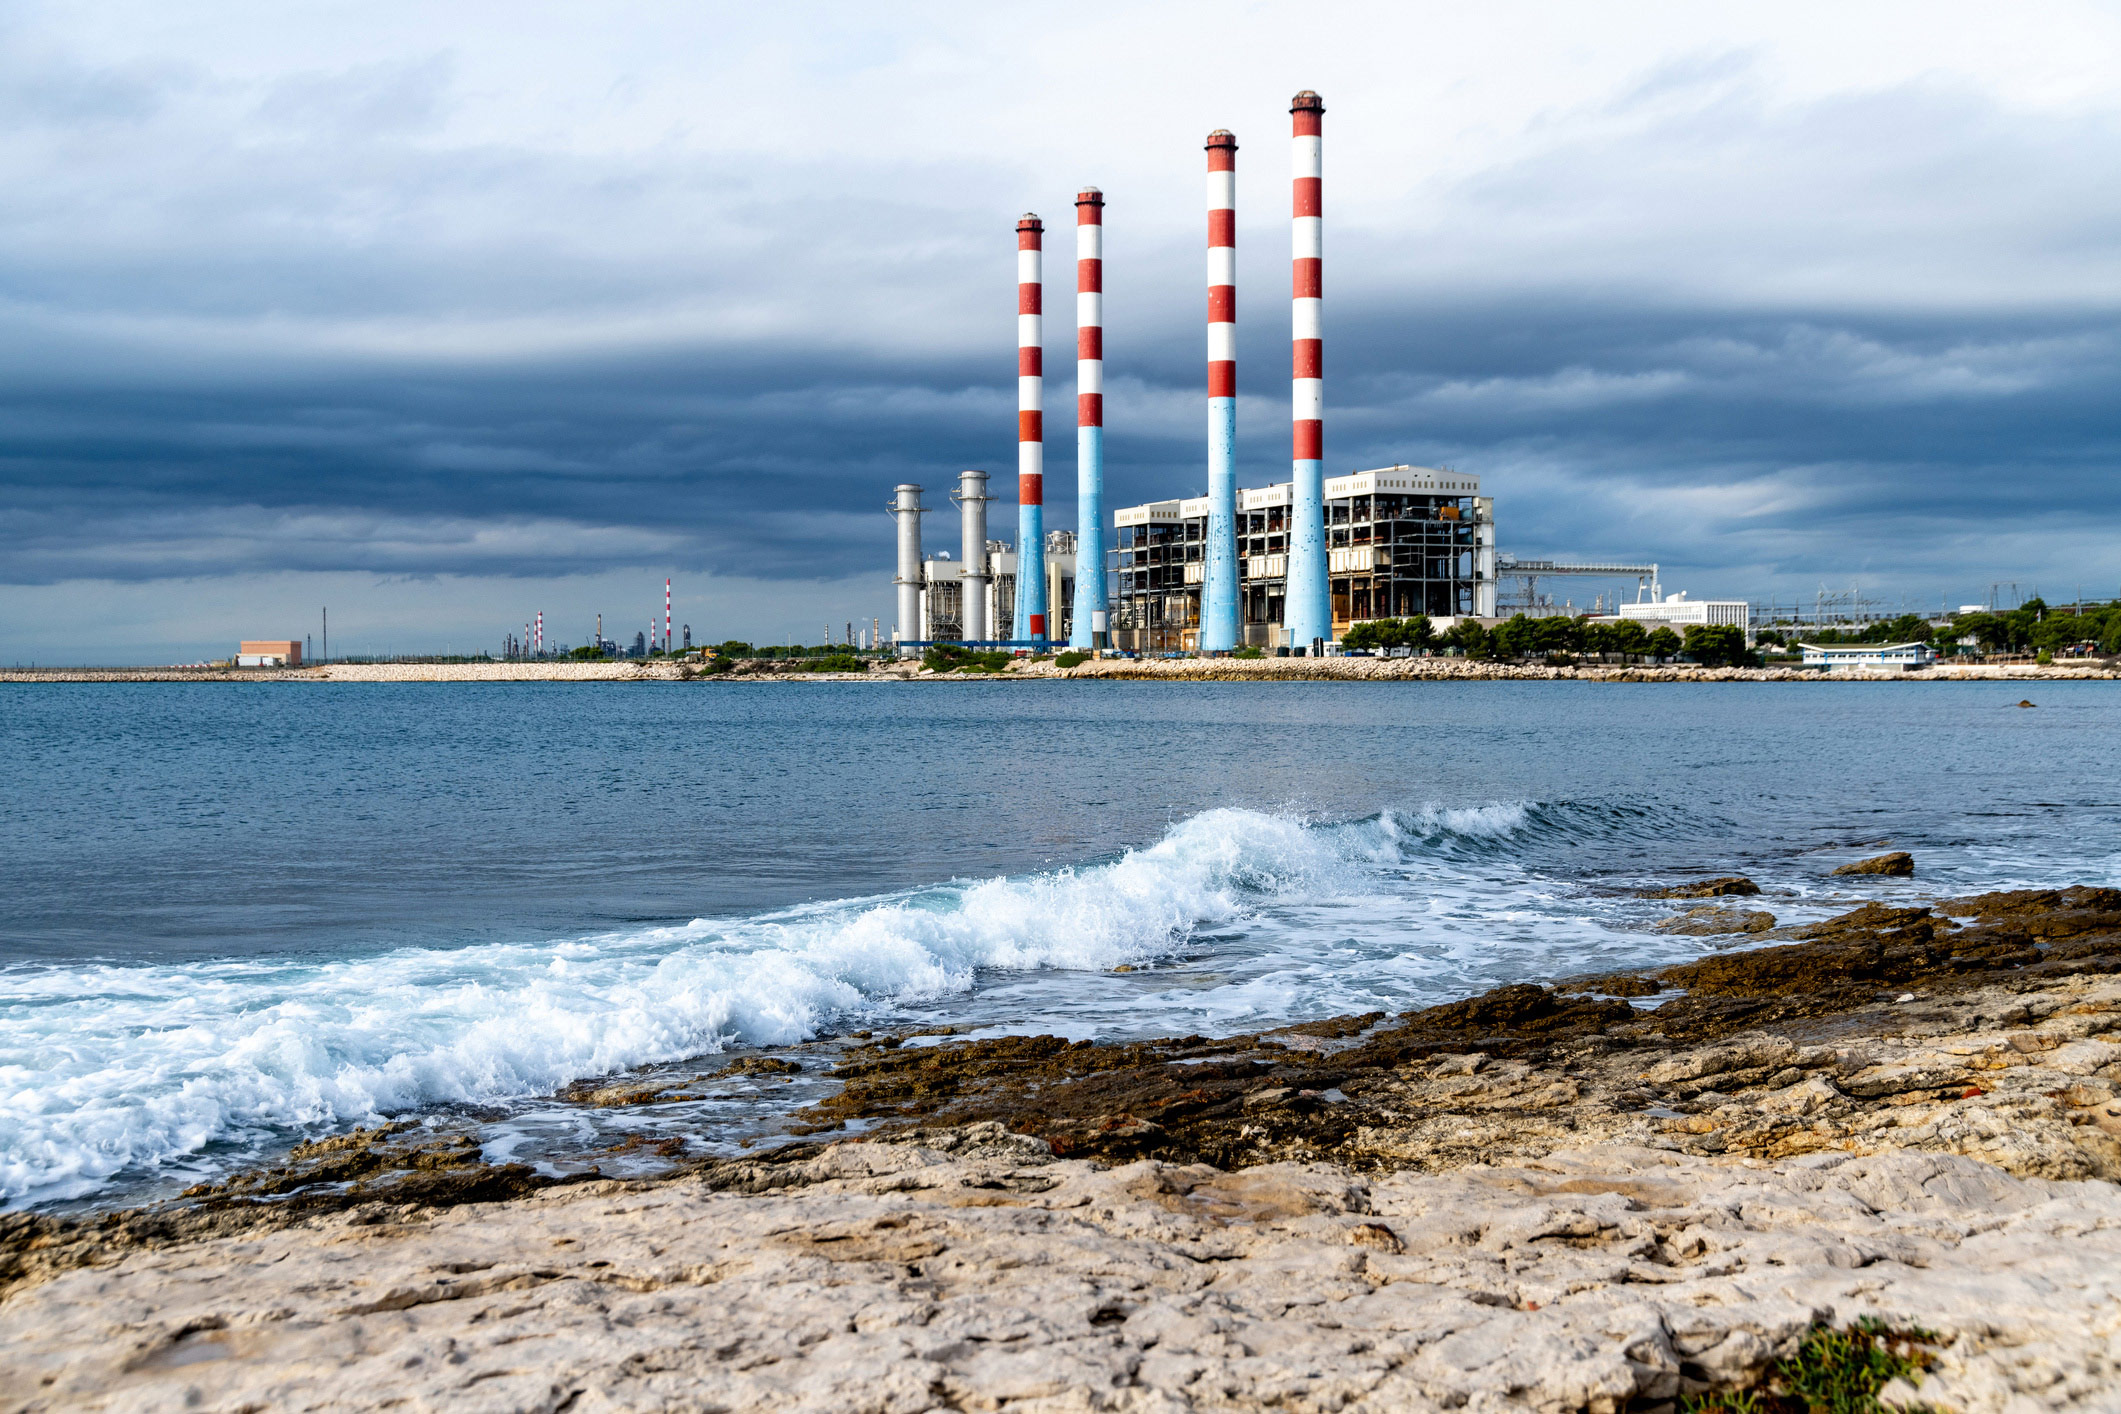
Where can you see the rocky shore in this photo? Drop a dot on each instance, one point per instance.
(1613, 1193)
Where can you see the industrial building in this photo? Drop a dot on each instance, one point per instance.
(269, 653)
(993, 582)
(1679, 613)
(1400, 540)
(1873, 657)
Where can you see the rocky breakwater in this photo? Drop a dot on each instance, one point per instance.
(1604, 1195)
(1467, 670)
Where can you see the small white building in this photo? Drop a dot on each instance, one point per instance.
(1679, 613)
(1871, 657)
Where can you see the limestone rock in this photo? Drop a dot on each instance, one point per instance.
(1590, 1279)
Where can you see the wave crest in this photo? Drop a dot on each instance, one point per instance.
(105, 1069)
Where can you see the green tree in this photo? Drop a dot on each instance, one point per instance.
(1991, 632)
(1471, 639)
(1366, 635)
(1717, 645)
(1559, 633)
(1908, 628)
(1662, 643)
(1627, 636)
(1517, 637)
(1415, 632)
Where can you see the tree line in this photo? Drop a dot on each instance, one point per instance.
(2032, 627)
(1524, 636)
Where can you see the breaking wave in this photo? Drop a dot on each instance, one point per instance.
(105, 1068)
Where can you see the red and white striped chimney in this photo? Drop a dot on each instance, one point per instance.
(1222, 264)
(1220, 615)
(1089, 418)
(1030, 430)
(666, 616)
(1308, 607)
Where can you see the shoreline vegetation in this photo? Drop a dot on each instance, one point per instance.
(1350, 669)
(1878, 1152)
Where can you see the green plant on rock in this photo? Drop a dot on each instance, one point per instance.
(832, 663)
(1071, 660)
(1248, 653)
(949, 657)
(1833, 1372)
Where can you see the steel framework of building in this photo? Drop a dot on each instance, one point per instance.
(1530, 572)
(1400, 541)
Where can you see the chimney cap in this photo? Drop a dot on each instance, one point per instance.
(1222, 137)
(1029, 222)
(1090, 195)
(1308, 99)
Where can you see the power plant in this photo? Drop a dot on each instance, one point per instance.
(1284, 566)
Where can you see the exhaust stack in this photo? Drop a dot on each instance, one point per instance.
(906, 509)
(1309, 607)
(972, 501)
(1030, 432)
(1089, 417)
(1219, 616)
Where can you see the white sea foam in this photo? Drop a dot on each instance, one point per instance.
(106, 1069)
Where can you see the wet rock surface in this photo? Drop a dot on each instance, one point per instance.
(1711, 919)
(1598, 1195)
(1898, 865)
(1724, 887)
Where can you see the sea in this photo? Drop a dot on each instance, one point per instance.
(241, 916)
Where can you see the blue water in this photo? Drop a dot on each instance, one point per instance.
(238, 915)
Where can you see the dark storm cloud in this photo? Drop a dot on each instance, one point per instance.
(1578, 416)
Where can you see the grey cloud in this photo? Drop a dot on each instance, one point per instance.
(287, 331)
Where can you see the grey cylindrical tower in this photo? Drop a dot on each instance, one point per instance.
(906, 508)
(972, 519)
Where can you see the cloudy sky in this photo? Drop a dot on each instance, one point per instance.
(443, 314)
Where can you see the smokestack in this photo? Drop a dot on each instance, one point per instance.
(1309, 612)
(906, 507)
(666, 616)
(1030, 433)
(972, 501)
(1089, 416)
(1219, 616)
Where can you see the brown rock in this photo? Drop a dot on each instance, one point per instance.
(1711, 920)
(759, 1065)
(1375, 1236)
(1723, 887)
(1899, 864)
